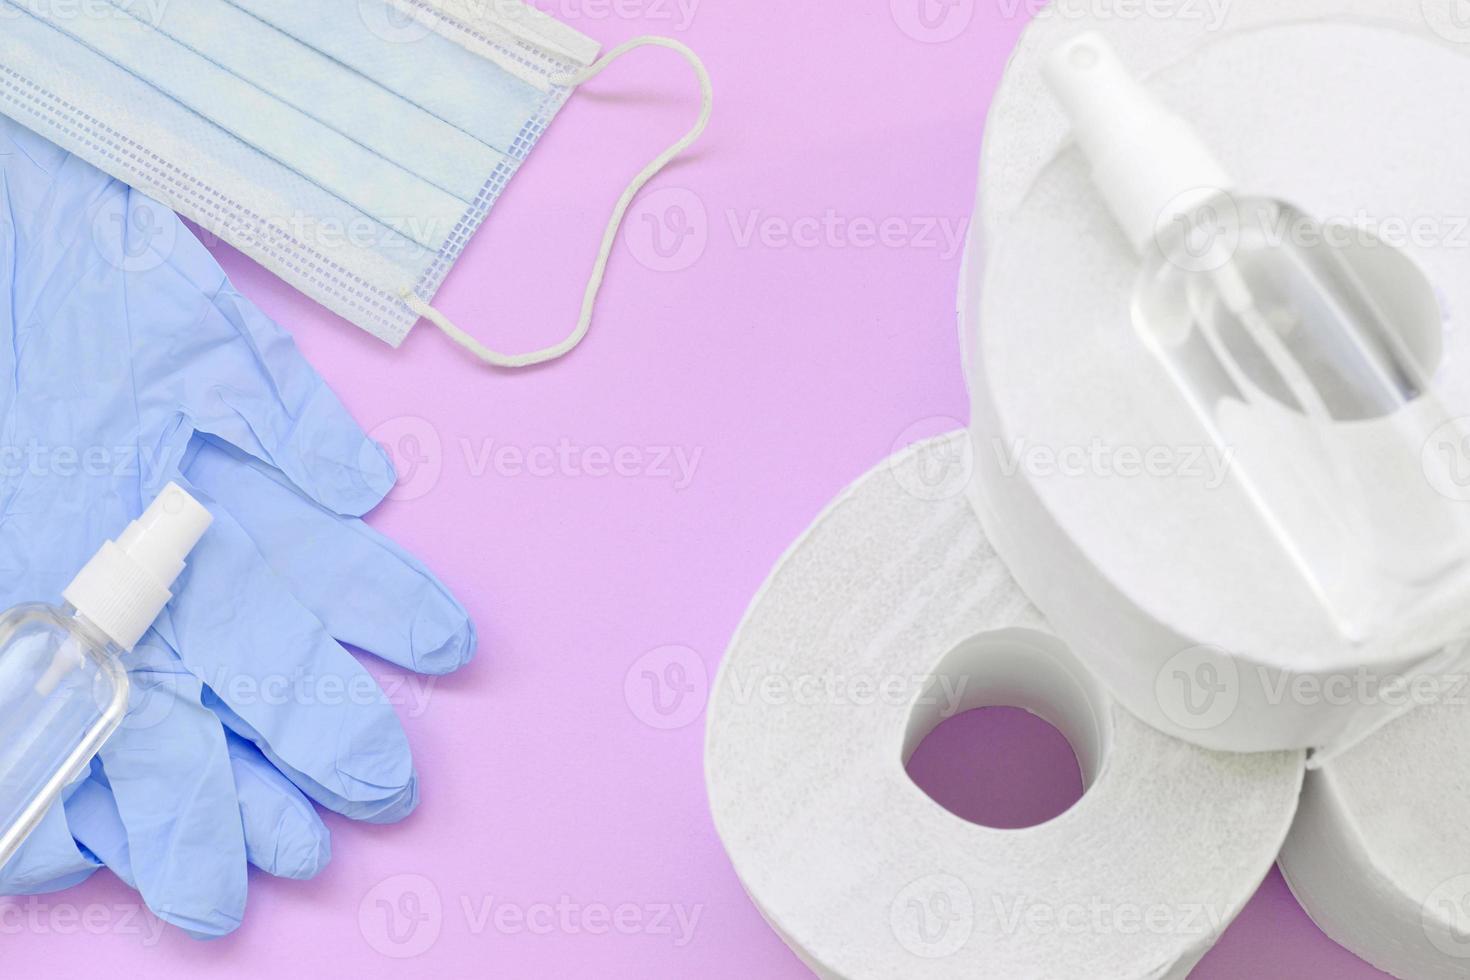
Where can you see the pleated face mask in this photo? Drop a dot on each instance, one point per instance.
(352, 147)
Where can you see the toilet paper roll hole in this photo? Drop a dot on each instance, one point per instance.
(1001, 768)
(951, 749)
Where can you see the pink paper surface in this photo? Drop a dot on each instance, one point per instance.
(778, 319)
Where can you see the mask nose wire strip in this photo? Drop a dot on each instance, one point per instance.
(609, 238)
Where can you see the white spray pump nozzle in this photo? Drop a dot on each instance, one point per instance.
(169, 529)
(126, 585)
(1148, 163)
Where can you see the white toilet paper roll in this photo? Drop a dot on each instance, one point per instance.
(1026, 128)
(891, 612)
(1379, 855)
(1096, 483)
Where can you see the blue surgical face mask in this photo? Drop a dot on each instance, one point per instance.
(352, 147)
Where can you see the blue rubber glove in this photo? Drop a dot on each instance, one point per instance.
(128, 361)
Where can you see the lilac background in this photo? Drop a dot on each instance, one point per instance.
(789, 368)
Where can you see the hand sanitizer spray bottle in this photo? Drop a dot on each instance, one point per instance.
(1282, 349)
(63, 683)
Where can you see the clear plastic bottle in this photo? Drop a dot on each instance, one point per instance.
(1293, 367)
(1285, 354)
(63, 682)
(63, 692)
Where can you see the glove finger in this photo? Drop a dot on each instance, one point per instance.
(284, 836)
(277, 678)
(246, 382)
(284, 414)
(365, 589)
(97, 825)
(48, 861)
(388, 805)
(170, 774)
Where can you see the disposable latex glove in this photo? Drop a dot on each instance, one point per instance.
(127, 360)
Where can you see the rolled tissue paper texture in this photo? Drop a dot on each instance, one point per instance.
(1379, 855)
(1123, 518)
(899, 595)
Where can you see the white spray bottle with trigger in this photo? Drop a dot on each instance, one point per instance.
(63, 682)
(1278, 339)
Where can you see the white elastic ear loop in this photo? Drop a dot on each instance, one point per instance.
(609, 238)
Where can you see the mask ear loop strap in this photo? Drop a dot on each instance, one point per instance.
(609, 238)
